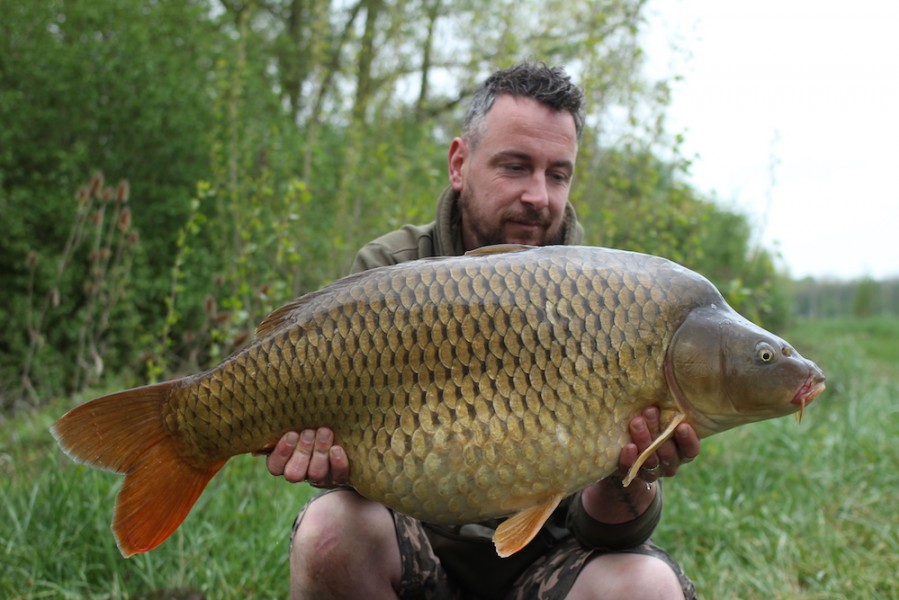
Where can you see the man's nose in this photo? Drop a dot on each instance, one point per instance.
(535, 192)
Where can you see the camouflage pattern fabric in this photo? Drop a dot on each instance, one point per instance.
(550, 577)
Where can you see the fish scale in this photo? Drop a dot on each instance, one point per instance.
(461, 388)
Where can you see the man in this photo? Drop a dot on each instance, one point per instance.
(510, 172)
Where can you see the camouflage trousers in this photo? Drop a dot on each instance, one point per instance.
(549, 577)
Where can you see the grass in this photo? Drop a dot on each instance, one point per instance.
(780, 510)
(55, 539)
(775, 510)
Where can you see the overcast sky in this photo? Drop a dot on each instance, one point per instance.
(791, 110)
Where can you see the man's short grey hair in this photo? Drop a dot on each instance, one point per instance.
(550, 86)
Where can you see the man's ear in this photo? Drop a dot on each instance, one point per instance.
(457, 162)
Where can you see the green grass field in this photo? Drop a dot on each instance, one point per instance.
(775, 510)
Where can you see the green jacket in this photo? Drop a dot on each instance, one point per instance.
(440, 237)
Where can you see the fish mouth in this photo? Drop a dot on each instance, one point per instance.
(813, 386)
(809, 390)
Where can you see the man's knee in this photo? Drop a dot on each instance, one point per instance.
(340, 522)
(339, 529)
(631, 576)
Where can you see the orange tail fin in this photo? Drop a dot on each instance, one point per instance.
(124, 433)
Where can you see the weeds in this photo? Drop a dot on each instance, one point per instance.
(101, 232)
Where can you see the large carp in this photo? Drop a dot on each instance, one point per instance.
(461, 388)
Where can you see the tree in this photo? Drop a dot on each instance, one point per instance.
(264, 142)
(110, 85)
(866, 294)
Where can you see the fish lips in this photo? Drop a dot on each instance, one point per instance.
(813, 386)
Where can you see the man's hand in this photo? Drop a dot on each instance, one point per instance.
(608, 502)
(680, 449)
(310, 456)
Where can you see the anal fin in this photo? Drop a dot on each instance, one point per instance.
(515, 532)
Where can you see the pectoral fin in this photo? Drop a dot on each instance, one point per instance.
(515, 533)
(669, 431)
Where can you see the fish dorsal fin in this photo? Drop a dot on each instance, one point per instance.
(669, 431)
(515, 533)
(498, 249)
(282, 317)
(289, 314)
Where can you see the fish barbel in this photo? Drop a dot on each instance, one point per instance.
(462, 388)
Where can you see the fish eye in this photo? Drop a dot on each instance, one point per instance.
(765, 352)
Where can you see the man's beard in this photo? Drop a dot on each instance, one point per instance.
(494, 235)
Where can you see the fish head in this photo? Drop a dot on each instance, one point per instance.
(725, 371)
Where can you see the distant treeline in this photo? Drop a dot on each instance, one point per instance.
(820, 299)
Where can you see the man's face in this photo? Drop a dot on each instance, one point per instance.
(514, 183)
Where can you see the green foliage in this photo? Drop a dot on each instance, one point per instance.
(863, 298)
(107, 84)
(156, 366)
(863, 305)
(265, 143)
(628, 198)
(75, 305)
